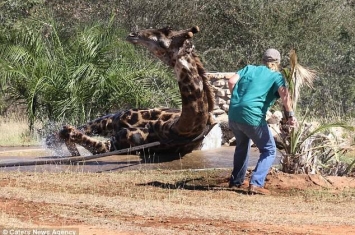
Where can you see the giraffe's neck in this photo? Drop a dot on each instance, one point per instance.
(195, 96)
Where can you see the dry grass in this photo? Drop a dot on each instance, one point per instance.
(166, 202)
(14, 132)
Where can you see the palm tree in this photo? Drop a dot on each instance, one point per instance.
(306, 148)
(75, 78)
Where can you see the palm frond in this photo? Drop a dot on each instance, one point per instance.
(298, 77)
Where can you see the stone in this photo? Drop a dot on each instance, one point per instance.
(220, 92)
(219, 83)
(225, 107)
(218, 111)
(220, 101)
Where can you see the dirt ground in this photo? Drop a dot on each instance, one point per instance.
(175, 202)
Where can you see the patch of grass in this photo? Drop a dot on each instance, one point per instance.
(14, 131)
(324, 195)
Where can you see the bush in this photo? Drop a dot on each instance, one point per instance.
(233, 34)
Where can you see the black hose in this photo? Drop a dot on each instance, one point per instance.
(66, 160)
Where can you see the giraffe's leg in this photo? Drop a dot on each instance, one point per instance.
(72, 148)
(72, 136)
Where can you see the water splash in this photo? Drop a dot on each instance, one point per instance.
(213, 139)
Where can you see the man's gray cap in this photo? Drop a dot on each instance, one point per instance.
(272, 55)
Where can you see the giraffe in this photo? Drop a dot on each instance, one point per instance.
(178, 130)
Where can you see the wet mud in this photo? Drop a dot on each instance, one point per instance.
(197, 160)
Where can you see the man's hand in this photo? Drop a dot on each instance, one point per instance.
(292, 121)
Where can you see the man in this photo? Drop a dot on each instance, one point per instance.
(254, 89)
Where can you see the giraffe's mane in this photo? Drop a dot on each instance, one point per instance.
(207, 87)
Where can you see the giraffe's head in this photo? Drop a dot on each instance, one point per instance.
(164, 42)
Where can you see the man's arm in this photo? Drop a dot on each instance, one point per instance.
(287, 103)
(232, 81)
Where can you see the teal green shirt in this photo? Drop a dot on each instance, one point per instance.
(253, 94)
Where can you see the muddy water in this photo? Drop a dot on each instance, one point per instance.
(201, 159)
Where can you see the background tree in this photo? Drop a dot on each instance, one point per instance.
(76, 78)
(233, 34)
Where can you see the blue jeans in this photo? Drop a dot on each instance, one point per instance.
(263, 139)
